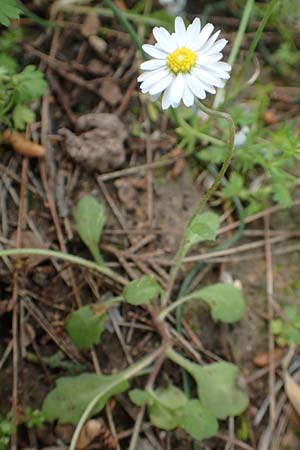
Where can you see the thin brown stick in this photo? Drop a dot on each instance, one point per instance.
(213, 255)
(259, 215)
(15, 314)
(136, 169)
(62, 69)
(57, 226)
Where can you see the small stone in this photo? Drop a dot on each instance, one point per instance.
(90, 25)
(110, 92)
(98, 44)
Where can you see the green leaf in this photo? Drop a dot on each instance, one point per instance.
(69, 399)
(141, 291)
(85, 326)
(276, 326)
(170, 408)
(225, 300)
(213, 155)
(280, 187)
(9, 11)
(8, 63)
(138, 397)
(234, 186)
(217, 389)
(90, 219)
(22, 116)
(29, 84)
(202, 228)
(171, 397)
(9, 40)
(162, 417)
(198, 421)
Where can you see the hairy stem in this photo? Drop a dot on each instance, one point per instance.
(182, 248)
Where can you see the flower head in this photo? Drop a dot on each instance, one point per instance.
(186, 64)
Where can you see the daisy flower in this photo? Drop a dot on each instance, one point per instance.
(186, 64)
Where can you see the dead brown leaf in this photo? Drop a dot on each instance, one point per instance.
(22, 145)
(95, 429)
(31, 240)
(263, 359)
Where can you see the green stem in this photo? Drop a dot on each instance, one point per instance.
(126, 375)
(165, 312)
(104, 12)
(120, 16)
(219, 98)
(258, 34)
(182, 248)
(199, 134)
(242, 85)
(180, 360)
(241, 31)
(23, 252)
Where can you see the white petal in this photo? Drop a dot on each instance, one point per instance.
(217, 71)
(177, 89)
(208, 87)
(207, 59)
(152, 64)
(207, 76)
(193, 30)
(164, 40)
(161, 85)
(210, 42)
(188, 96)
(219, 45)
(195, 86)
(203, 36)
(154, 51)
(221, 66)
(151, 81)
(166, 99)
(180, 31)
(179, 25)
(146, 75)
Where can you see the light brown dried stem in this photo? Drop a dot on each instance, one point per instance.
(269, 289)
(137, 169)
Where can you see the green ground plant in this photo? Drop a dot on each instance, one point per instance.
(30, 418)
(18, 87)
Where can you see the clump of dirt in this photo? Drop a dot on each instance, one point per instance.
(99, 145)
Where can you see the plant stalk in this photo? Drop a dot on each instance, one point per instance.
(182, 248)
(23, 252)
(180, 360)
(219, 98)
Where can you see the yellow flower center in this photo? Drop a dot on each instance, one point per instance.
(181, 60)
